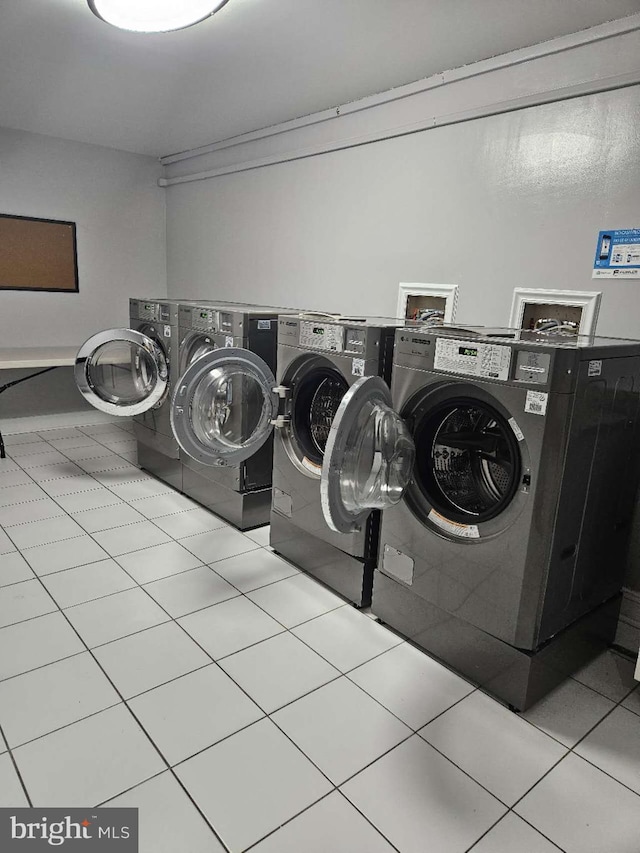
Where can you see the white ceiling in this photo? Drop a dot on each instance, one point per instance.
(65, 73)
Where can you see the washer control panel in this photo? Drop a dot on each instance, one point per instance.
(328, 337)
(204, 319)
(472, 358)
(148, 310)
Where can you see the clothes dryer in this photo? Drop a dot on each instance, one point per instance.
(502, 549)
(319, 360)
(131, 372)
(227, 362)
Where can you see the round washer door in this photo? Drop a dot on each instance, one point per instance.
(122, 372)
(223, 406)
(368, 461)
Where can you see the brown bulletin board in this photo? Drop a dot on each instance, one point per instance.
(37, 254)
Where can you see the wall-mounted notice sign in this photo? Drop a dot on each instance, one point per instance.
(618, 254)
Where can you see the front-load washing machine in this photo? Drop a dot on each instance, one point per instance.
(220, 403)
(131, 372)
(319, 360)
(502, 548)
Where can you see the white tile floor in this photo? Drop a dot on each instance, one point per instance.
(152, 656)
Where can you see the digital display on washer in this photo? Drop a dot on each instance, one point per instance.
(468, 351)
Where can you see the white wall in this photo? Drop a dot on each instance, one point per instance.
(119, 210)
(503, 201)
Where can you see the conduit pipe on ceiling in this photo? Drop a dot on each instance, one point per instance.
(614, 29)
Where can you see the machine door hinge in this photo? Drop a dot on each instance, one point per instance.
(281, 421)
(283, 391)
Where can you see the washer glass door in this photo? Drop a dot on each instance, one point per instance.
(122, 372)
(369, 456)
(223, 406)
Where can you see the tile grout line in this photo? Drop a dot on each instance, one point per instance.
(16, 768)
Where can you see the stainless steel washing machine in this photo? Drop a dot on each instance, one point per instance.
(131, 372)
(502, 548)
(219, 404)
(318, 361)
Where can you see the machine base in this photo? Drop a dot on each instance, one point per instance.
(242, 509)
(347, 575)
(516, 676)
(161, 466)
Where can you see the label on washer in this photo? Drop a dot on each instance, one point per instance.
(516, 429)
(228, 341)
(465, 531)
(472, 358)
(357, 367)
(536, 402)
(595, 368)
(264, 324)
(167, 331)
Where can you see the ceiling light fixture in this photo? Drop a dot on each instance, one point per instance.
(154, 16)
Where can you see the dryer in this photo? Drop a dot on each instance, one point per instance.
(502, 548)
(131, 372)
(319, 360)
(219, 405)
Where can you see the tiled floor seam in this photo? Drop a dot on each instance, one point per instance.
(15, 767)
(504, 816)
(310, 806)
(66, 725)
(442, 754)
(570, 751)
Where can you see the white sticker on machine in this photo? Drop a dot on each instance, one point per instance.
(264, 324)
(595, 368)
(228, 341)
(465, 531)
(536, 402)
(357, 367)
(167, 331)
(516, 429)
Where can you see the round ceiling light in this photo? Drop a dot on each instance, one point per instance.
(154, 16)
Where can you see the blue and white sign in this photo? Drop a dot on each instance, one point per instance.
(618, 254)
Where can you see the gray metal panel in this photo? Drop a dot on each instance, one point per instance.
(592, 527)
